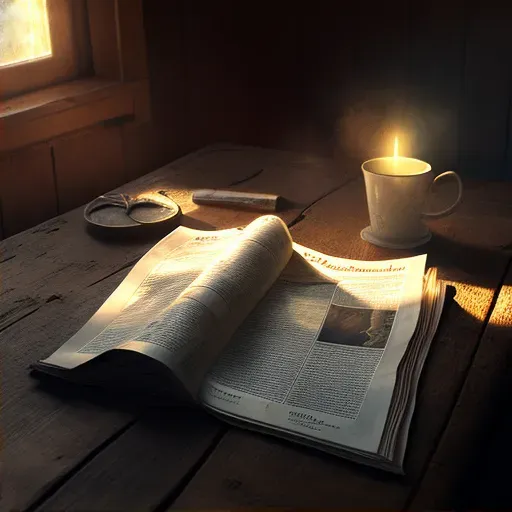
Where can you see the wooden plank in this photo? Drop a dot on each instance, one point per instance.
(80, 28)
(489, 475)
(52, 99)
(27, 189)
(164, 446)
(282, 475)
(486, 94)
(62, 247)
(467, 432)
(47, 431)
(87, 164)
(49, 114)
(117, 39)
(47, 437)
(104, 39)
(131, 40)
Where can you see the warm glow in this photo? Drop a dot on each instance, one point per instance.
(24, 31)
(395, 148)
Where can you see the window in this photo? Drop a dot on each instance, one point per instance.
(42, 42)
(69, 64)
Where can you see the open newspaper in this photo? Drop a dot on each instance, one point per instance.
(271, 335)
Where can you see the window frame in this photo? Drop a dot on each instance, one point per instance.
(70, 53)
(114, 88)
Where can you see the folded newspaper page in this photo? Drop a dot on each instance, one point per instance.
(183, 300)
(264, 331)
(319, 359)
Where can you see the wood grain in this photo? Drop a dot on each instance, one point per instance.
(34, 105)
(467, 433)
(131, 40)
(65, 258)
(464, 248)
(141, 150)
(27, 189)
(49, 114)
(166, 445)
(104, 41)
(46, 431)
(79, 439)
(51, 433)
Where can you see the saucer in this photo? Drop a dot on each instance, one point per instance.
(368, 236)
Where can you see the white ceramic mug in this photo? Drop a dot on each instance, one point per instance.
(396, 190)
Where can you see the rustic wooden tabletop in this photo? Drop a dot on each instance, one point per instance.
(65, 447)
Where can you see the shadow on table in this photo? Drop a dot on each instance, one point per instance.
(118, 379)
(146, 233)
(481, 263)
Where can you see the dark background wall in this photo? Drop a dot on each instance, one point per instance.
(337, 77)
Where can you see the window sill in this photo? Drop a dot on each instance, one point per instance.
(48, 113)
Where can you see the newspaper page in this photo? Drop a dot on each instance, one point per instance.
(318, 356)
(183, 300)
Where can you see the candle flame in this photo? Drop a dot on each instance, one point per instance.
(395, 148)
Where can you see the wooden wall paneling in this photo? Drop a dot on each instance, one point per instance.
(214, 70)
(27, 189)
(434, 81)
(486, 92)
(374, 98)
(88, 164)
(63, 109)
(118, 39)
(80, 22)
(104, 38)
(166, 51)
(142, 150)
(131, 40)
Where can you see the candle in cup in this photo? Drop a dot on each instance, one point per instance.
(397, 165)
(395, 155)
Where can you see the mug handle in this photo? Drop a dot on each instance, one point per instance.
(450, 209)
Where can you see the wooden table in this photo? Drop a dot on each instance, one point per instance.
(70, 447)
